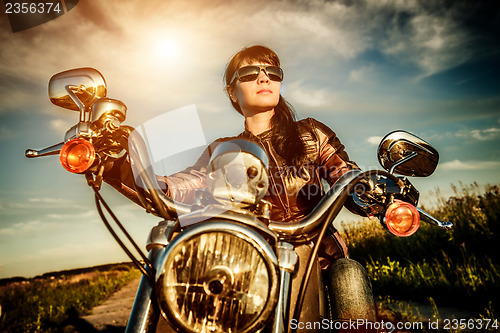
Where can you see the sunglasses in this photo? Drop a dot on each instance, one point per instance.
(250, 73)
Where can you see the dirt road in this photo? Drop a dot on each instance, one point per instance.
(111, 316)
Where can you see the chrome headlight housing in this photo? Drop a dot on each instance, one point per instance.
(237, 173)
(218, 277)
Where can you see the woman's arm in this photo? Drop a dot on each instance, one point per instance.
(333, 160)
(180, 186)
(332, 157)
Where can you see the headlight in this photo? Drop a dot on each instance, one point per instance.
(218, 277)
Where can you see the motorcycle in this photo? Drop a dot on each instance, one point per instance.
(221, 264)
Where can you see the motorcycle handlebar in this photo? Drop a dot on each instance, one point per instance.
(316, 217)
(287, 231)
(140, 159)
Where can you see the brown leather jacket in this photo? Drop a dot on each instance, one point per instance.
(293, 192)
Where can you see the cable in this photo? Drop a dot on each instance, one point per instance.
(149, 274)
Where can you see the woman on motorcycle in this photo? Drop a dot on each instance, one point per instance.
(301, 154)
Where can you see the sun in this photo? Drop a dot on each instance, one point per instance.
(167, 49)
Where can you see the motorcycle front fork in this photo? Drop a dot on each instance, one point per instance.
(287, 259)
(145, 312)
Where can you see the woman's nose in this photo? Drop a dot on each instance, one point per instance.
(262, 78)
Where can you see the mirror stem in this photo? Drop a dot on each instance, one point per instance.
(404, 160)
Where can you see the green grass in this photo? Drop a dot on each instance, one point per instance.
(44, 304)
(458, 268)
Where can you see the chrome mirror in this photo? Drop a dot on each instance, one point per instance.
(77, 89)
(406, 154)
(107, 111)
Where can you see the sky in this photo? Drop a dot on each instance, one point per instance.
(364, 68)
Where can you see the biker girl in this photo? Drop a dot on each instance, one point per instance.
(301, 154)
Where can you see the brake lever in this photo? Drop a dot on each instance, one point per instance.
(426, 217)
(52, 150)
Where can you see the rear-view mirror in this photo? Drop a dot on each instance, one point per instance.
(406, 154)
(77, 89)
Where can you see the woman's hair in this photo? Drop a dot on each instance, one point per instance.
(285, 136)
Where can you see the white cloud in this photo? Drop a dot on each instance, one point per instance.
(487, 134)
(50, 200)
(7, 231)
(73, 215)
(61, 126)
(124, 48)
(374, 140)
(433, 39)
(469, 165)
(28, 227)
(52, 203)
(361, 75)
(480, 134)
(301, 95)
(19, 207)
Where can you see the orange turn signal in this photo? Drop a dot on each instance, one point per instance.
(77, 155)
(402, 219)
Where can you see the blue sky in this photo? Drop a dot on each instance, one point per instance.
(364, 68)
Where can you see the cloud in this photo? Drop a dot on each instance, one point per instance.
(18, 95)
(7, 133)
(73, 215)
(60, 125)
(429, 35)
(374, 140)
(438, 35)
(488, 134)
(7, 231)
(469, 165)
(50, 200)
(431, 42)
(17, 208)
(361, 75)
(310, 97)
(28, 227)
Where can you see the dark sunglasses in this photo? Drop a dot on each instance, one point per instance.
(250, 73)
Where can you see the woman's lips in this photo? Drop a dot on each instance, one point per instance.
(264, 91)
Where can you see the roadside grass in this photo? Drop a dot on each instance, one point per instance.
(43, 304)
(455, 268)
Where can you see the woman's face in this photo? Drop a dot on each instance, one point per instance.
(256, 96)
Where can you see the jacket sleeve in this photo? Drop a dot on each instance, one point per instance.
(180, 186)
(332, 158)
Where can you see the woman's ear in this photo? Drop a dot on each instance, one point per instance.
(231, 94)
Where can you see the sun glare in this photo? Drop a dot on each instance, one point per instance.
(167, 49)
